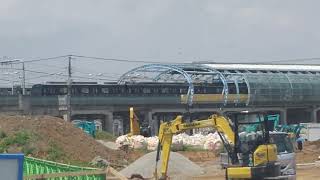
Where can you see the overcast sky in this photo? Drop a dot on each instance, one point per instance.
(162, 30)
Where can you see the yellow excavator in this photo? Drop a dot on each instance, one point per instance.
(136, 126)
(255, 161)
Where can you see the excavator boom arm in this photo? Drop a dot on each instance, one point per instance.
(168, 129)
(134, 124)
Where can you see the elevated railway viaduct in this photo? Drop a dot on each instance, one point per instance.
(161, 91)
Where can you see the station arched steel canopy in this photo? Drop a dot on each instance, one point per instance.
(267, 85)
(176, 73)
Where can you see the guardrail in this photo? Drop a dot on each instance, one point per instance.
(42, 169)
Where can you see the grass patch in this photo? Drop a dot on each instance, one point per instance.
(103, 135)
(192, 148)
(20, 141)
(55, 152)
(2, 134)
(79, 163)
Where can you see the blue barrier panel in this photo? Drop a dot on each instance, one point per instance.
(11, 166)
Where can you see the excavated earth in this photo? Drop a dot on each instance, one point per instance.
(73, 142)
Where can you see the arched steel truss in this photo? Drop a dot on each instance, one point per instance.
(185, 73)
(264, 87)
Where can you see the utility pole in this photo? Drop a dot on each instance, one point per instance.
(23, 79)
(69, 84)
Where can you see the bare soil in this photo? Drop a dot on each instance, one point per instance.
(75, 144)
(210, 164)
(309, 153)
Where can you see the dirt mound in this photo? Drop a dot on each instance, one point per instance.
(54, 138)
(179, 166)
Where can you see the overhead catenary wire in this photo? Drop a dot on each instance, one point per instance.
(105, 77)
(64, 75)
(120, 60)
(160, 61)
(44, 59)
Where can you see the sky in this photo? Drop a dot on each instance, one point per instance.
(176, 31)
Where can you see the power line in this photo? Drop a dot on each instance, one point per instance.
(45, 59)
(158, 62)
(120, 60)
(50, 66)
(81, 77)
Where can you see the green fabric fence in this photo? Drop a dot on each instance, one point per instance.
(34, 166)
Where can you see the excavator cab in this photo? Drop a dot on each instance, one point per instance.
(254, 150)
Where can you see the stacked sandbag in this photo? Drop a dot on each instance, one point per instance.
(213, 142)
(138, 142)
(210, 141)
(152, 143)
(135, 142)
(121, 140)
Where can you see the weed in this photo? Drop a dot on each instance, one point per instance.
(55, 152)
(192, 148)
(105, 136)
(28, 149)
(21, 138)
(2, 135)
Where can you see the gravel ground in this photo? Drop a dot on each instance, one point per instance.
(109, 144)
(180, 167)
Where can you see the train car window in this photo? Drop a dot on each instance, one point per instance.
(146, 90)
(85, 90)
(204, 90)
(243, 89)
(136, 90)
(218, 90)
(94, 91)
(63, 90)
(129, 90)
(122, 90)
(183, 91)
(232, 88)
(165, 90)
(51, 91)
(105, 90)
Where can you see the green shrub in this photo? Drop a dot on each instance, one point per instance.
(55, 152)
(2, 135)
(28, 149)
(192, 148)
(22, 138)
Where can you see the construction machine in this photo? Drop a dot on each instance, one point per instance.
(137, 127)
(256, 159)
(88, 127)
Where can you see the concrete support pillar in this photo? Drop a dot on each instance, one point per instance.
(314, 115)
(283, 116)
(156, 124)
(148, 118)
(108, 122)
(24, 104)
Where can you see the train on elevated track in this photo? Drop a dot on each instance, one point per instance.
(203, 92)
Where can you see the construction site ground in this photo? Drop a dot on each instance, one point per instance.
(210, 164)
(54, 139)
